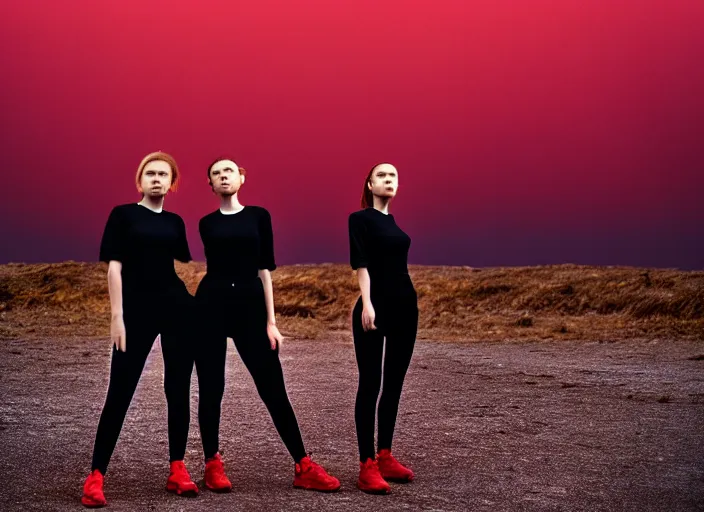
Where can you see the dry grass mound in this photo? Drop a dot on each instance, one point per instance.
(456, 303)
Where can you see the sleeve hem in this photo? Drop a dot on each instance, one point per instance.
(108, 259)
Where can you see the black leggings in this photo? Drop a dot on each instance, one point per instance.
(239, 312)
(397, 321)
(170, 317)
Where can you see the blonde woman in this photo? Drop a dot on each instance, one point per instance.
(140, 243)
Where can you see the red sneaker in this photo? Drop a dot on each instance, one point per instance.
(179, 481)
(312, 476)
(93, 496)
(391, 469)
(215, 478)
(370, 479)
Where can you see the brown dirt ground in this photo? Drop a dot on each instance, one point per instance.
(568, 425)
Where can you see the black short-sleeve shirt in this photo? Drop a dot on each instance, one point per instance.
(377, 243)
(146, 243)
(238, 245)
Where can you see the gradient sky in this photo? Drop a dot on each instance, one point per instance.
(524, 132)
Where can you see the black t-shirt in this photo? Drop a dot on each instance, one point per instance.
(238, 245)
(378, 244)
(146, 243)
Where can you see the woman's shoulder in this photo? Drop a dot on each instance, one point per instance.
(121, 210)
(259, 211)
(125, 207)
(174, 218)
(209, 216)
(362, 214)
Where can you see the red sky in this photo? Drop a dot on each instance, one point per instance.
(524, 132)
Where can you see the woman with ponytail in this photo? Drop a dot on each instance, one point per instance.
(384, 321)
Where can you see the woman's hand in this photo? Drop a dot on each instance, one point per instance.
(117, 333)
(368, 317)
(275, 337)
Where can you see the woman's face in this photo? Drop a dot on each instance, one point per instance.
(156, 179)
(384, 181)
(225, 178)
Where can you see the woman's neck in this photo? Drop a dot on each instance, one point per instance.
(230, 204)
(382, 204)
(155, 204)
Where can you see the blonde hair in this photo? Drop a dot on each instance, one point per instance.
(165, 157)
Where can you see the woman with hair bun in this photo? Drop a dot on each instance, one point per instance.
(236, 300)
